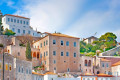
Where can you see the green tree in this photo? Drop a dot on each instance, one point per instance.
(8, 32)
(28, 51)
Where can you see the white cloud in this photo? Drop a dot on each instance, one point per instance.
(50, 15)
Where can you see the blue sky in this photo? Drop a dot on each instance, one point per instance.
(81, 18)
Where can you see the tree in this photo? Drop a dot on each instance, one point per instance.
(28, 51)
(8, 32)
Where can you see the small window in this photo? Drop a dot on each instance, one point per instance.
(68, 70)
(18, 30)
(46, 53)
(11, 20)
(33, 34)
(17, 21)
(67, 43)
(21, 21)
(74, 54)
(10, 67)
(62, 54)
(62, 43)
(13, 29)
(6, 66)
(54, 53)
(28, 32)
(26, 71)
(23, 31)
(67, 53)
(41, 45)
(46, 42)
(8, 19)
(14, 20)
(54, 61)
(19, 69)
(22, 70)
(40, 55)
(24, 22)
(27, 23)
(54, 41)
(107, 65)
(18, 53)
(29, 71)
(74, 44)
(45, 62)
(103, 65)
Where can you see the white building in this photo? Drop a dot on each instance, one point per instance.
(18, 24)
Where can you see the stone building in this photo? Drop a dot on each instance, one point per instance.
(86, 64)
(15, 69)
(59, 53)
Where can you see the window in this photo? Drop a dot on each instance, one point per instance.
(54, 61)
(85, 62)
(89, 63)
(33, 34)
(18, 53)
(29, 71)
(103, 65)
(67, 43)
(67, 53)
(19, 69)
(83, 78)
(68, 70)
(10, 67)
(40, 55)
(27, 23)
(17, 21)
(46, 42)
(24, 22)
(21, 21)
(26, 71)
(62, 54)
(8, 19)
(92, 78)
(22, 70)
(41, 45)
(23, 31)
(45, 62)
(18, 30)
(6, 66)
(0, 65)
(28, 32)
(54, 53)
(54, 68)
(14, 20)
(62, 42)
(74, 44)
(74, 54)
(54, 41)
(11, 20)
(13, 29)
(107, 65)
(46, 53)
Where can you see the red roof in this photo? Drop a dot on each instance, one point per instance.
(17, 16)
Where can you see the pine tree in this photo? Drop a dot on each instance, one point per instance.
(28, 51)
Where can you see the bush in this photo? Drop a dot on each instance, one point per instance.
(1, 45)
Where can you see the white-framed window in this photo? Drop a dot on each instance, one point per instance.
(18, 30)
(8, 19)
(107, 65)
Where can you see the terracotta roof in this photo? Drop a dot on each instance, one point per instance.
(116, 64)
(49, 73)
(88, 74)
(103, 75)
(102, 59)
(16, 16)
(63, 35)
(37, 73)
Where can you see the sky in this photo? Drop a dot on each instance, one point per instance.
(80, 18)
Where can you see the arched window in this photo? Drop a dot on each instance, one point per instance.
(89, 63)
(98, 72)
(85, 62)
(34, 54)
(38, 55)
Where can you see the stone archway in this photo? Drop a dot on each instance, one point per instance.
(98, 72)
